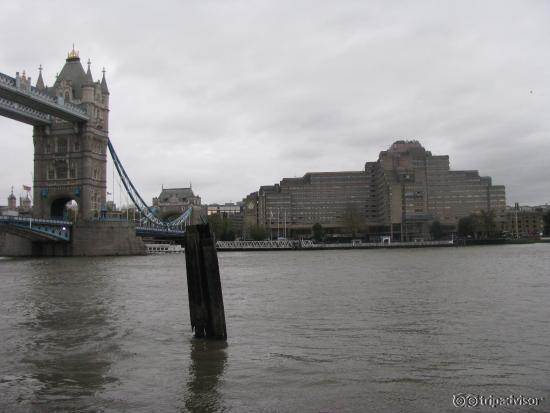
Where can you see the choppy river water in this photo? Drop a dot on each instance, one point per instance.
(319, 331)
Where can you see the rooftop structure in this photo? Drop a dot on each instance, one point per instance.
(172, 202)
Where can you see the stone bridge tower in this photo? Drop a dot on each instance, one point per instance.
(70, 159)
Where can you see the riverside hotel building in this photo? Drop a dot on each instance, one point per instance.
(399, 195)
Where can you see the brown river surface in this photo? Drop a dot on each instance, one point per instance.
(420, 330)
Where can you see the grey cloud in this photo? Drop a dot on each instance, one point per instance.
(231, 95)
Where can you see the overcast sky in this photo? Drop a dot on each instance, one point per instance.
(231, 95)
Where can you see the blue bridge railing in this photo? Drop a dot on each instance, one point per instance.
(46, 229)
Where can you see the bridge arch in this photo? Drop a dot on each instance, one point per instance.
(65, 208)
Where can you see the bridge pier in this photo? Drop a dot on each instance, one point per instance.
(14, 246)
(100, 238)
(88, 238)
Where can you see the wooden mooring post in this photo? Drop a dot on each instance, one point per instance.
(203, 284)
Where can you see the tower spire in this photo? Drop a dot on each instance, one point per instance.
(73, 55)
(89, 79)
(40, 81)
(104, 88)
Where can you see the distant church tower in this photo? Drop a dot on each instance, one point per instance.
(12, 201)
(70, 159)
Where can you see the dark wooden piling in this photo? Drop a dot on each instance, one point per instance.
(203, 284)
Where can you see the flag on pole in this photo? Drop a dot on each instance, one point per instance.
(26, 188)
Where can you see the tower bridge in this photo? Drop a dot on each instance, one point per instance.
(70, 123)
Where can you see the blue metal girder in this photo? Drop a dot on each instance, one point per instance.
(37, 229)
(140, 204)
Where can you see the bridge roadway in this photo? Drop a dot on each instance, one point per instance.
(33, 106)
(160, 232)
(44, 230)
(60, 230)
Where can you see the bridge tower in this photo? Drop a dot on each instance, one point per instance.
(70, 158)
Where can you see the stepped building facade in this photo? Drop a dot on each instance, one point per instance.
(400, 195)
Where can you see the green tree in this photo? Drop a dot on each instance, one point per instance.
(318, 232)
(216, 225)
(228, 235)
(351, 220)
(546, 219)
(487, 223)
(221, 227)
(482, 225)
(258, 232)
(436, 230)
(467, 226)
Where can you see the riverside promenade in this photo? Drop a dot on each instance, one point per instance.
(310, 245)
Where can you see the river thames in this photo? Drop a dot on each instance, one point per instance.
(420, 330)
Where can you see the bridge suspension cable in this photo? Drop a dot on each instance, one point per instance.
(138, 201)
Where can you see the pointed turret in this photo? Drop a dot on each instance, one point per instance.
(88, 85)
(72, 73)
(40, 81)
(88, 80)
(104, 88)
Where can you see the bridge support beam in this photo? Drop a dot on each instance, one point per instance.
(203, 284)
